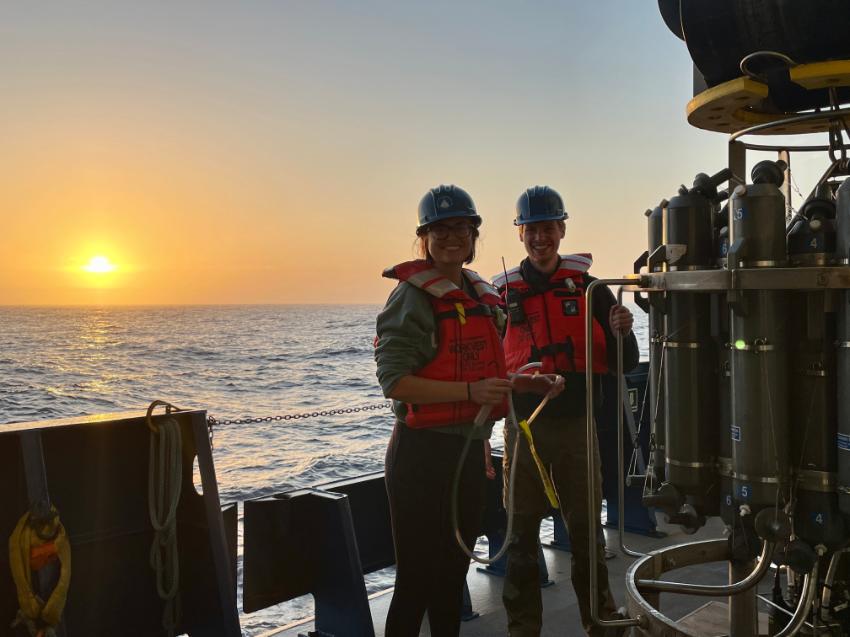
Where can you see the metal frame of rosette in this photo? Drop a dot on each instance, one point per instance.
(644, 584)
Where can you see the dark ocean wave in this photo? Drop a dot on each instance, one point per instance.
(331, 352)
(194, 352)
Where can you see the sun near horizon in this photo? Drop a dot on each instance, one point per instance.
(99, 264)
(96, 277)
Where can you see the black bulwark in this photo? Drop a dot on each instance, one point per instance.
(319, 541)
(94, 470)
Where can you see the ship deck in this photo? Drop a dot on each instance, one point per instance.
(561, 614)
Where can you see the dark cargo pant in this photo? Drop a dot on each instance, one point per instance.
(561, 444)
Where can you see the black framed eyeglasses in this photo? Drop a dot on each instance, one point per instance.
(461, 230)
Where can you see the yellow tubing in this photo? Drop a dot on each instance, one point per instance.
(544, 475)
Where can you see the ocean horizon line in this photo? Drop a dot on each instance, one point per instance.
(4, 306)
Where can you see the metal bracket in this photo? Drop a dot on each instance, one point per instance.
(38, 495)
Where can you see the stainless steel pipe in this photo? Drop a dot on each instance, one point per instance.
(772, 604)
(593, 470)
(725, 590)
(621, 478)
(810, 585)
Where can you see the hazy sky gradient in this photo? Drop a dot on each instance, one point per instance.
(275, 152)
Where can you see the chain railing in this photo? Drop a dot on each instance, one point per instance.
(213, 422)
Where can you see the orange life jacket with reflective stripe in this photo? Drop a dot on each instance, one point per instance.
(468, 345)
(553, 329)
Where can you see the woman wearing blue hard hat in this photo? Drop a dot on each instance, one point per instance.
(439, 357)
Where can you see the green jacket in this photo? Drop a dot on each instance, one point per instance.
(407, 341)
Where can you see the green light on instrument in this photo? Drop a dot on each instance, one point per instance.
(740, 344)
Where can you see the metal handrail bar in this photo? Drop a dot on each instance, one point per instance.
(810, 585)
(772, 604)
(621, 477)
(826, 599)
(592, 520)
(709, 590)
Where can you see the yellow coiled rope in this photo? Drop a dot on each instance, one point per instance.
(32, 546)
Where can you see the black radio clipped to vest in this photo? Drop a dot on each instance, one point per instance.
(513, 301)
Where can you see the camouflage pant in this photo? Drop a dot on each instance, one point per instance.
(561, 443)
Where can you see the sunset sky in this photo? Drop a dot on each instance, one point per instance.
(275, 152)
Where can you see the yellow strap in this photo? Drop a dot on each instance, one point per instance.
(22, 540)
(52, 612)
(548, 487)
(461, 313)
(19, 560)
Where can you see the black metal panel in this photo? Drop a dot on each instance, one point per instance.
(97, 478)
(370, 511)
(98, 482)
(199, 575)
(280, 549)
(295, 543)
(200, 582)
(230, 518)
(14, 489)
(216, 579)
(303, 542)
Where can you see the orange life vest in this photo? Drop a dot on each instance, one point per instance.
(553, 331)
(468, 345)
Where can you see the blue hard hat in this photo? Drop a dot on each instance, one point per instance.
(446, 202)
(540, 203)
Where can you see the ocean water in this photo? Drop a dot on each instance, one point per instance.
(233, 361)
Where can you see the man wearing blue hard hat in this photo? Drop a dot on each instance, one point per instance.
(545, 300)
